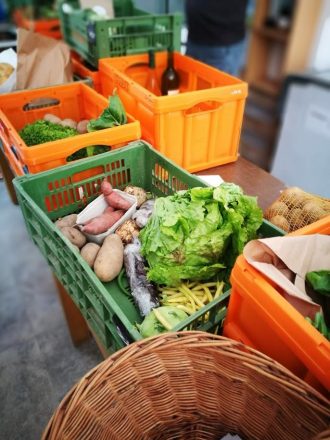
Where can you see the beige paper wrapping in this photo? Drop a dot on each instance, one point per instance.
(286, 260)
(41, 61)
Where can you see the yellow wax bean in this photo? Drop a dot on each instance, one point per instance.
(219, 289)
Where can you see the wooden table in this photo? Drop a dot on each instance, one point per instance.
(253, 180)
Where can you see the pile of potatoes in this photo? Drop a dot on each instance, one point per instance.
(107, 260)
(296, 208)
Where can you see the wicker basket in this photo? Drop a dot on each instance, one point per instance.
(189, 385)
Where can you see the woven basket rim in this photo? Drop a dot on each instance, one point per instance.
(252, 358)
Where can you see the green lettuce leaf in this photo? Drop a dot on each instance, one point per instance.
(320, 281)
(195, 234)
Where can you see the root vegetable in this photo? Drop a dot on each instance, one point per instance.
(52, 118)
(277, 208)
(127, 231)
(69, 123)
(143, 291)
(75, 236)
(312, 211)
(112, 198)
(82, 126)
(280, 222)
(89, 253)
(68, 220)
(294, 197)
(295, 219)
(106, 187)
(102, 223)
(138, 192)
(141, 216)
(117, 201)
(109, 260)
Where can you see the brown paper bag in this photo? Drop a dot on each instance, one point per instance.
(41, 61)
(286, 260)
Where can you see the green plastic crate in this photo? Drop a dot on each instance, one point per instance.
(43, 197)
(132, 31)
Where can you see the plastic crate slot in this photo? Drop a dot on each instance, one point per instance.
(41, 103)
(80, 176)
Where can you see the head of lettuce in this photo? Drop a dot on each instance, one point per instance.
(195, 234)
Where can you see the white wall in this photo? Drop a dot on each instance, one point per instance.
(320, 54)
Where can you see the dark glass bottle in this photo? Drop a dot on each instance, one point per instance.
(170, 81)
(152, 83)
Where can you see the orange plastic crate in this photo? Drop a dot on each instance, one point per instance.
(200, 127)
(76, 101)
(80, 69)
(49, 28)
(260, 317)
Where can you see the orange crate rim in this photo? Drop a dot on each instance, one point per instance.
(243, 392)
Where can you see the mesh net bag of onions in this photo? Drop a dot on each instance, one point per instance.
(295, 208)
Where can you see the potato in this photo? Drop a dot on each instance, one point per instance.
(294, 197)
(82, 126)
(68, 220)
(280, 222)
(109, 260)
(276, 208)
(76, 237)
(312, 211)
(89, 253)
(69, 123)
(296, 219)
(52, 118)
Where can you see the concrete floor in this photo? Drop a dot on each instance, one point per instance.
(38, 362)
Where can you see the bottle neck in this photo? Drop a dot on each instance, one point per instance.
(151, 59)
(170, 59)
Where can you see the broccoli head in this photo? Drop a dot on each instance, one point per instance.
(42, 131)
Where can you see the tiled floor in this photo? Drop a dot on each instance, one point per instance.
(38, 363)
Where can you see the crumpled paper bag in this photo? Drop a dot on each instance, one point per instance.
(9, 56)
(41, 61)
(286, 260)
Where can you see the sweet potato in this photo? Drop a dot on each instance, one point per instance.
(106, 187)
(109, 260)
(117, 201)
(89, 253)
(108, 209)
(75, 236)
(103, 222)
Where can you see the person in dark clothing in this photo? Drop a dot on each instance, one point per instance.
(216, 31)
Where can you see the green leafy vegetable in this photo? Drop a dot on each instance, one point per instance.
(93, 150)
(112, 116)
(195, 234)
(319, 281)
(160, 320)
(42, 131)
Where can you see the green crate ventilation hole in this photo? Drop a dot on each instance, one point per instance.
(81, 193)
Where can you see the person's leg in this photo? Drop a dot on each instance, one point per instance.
(226, 58)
